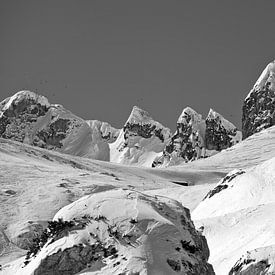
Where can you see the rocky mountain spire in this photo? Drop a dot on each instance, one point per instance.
(259, 105)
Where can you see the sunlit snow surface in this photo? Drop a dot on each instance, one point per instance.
(36, 183)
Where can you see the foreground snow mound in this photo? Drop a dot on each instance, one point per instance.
(259, 105)
(120, 232)
(256, 262)
(140, 140)
(31, 119)
(196, 137)
(103, 130)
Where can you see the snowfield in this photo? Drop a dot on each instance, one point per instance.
(37, 183)
(239, 214)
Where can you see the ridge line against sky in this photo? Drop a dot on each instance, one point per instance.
(100, 58)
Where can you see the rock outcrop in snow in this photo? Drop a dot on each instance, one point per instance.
(259, 105)
(120, 232)
(140, 141)
(196, 137)
(256, 262)
(29, 118)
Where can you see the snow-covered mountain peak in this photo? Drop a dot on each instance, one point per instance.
(189, 115)
(139, 115)
(213, 115)
(23, 96)
(267, 77)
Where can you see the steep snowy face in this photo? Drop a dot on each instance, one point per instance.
(120, 232)
(259, 105)
(29, 118)
(104, 130)
(237, 216)
(196, 137)
(220, 133)
(140, 141)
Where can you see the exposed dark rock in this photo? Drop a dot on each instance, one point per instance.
(72, 260)
(258, 111)
(259, 105)
(194, 137)
(216, 190)
(222, 184)
(143, 130)
(53, 135)
(217, 137)
(250, 267)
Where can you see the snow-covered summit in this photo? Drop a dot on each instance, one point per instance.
(213, 115)
(29, 118)
(190, 113)
(140, 141)
(23, 96)
(267, 77)
(197, 137)
(139, 115)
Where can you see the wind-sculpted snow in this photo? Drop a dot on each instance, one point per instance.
(259, 105)
(103, 130)
(239, 218)
(120, 232)
(140, 140)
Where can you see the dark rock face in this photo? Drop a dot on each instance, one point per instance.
(195, 135)
(250, 267)
(217, 137)
(73, 260)
(259, 105)
(258, 111)
(18, 117)
(143, 130)
(52, 136)
(187, 142)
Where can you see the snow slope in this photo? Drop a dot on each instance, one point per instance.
(238, 215)
(103, 130)
(248, 153)
(33, 177)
